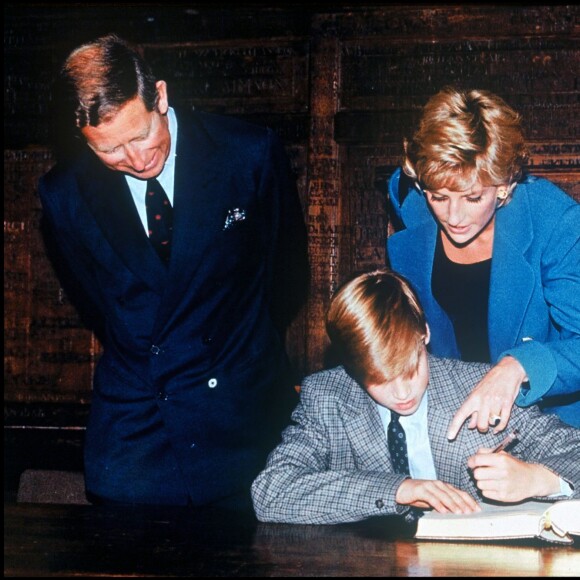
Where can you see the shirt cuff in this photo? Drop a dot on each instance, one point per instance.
(565, 490)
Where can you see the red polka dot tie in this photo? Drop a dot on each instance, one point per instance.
(398, 445)
(159, 219)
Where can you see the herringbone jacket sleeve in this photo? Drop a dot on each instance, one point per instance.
(546, 440)
(333, 465)
(543, 438)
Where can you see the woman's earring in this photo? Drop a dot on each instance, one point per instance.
(502, 193)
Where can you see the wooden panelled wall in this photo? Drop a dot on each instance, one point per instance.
(341, 86)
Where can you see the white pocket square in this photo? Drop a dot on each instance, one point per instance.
(234, 215)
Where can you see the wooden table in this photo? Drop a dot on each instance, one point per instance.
(72, 540)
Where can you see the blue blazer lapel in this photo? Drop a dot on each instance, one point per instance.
(411, 253)
(109, 199)
(512, 278)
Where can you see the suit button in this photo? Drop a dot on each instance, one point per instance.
(155, 349)
(207, 340)
(162, 396)
(212, 383)
(380, 504)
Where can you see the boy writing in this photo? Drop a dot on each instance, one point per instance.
(345, 458)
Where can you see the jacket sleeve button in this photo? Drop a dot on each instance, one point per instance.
(380, 504)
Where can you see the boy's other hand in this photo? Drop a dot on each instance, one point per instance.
(432, 493)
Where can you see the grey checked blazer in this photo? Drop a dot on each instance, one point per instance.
(333, 464)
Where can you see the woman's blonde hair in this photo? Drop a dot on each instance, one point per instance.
(464, 137)
(377, 326)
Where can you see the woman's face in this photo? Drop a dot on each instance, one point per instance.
(464, 214)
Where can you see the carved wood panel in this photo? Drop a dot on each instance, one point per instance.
(341, 86)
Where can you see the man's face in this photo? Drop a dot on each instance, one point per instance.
(134, 141)
(403, 394)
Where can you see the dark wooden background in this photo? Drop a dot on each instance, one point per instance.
(340, 83)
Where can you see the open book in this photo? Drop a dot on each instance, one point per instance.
(554, 522)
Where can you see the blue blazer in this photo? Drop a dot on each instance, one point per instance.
(192, 387)
(534, 298)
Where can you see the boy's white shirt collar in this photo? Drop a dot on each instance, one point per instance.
(419, 416)
(421, 464)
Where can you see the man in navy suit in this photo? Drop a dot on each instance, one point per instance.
(193, 385)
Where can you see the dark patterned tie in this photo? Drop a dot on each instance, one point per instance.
(400, 459)
(398, 445)
(159, 219)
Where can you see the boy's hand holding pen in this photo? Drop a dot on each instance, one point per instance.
(483, 459)
(508, 440)
(506, 478)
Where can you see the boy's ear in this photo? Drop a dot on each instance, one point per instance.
(428, 334)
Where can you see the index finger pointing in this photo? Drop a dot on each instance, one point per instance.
(459, 418)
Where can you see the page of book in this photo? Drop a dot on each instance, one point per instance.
(552, 521)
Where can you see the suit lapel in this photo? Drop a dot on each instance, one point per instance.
(364, 429)
(445, 396)
(512, 278)
(109, 199)
(450, 457)
(197, 168)
(441, 448)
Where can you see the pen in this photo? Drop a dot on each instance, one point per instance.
(509, 438)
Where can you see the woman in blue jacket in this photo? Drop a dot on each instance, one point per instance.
(494, 255)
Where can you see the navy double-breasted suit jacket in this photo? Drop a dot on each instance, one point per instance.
(193, 373)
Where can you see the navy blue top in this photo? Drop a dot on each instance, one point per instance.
(462, 290)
